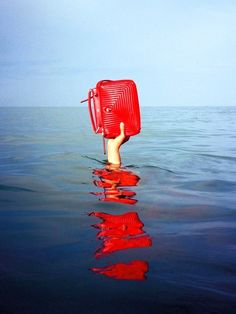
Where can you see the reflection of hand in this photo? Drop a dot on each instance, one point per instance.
(113, 146)
(113, 179)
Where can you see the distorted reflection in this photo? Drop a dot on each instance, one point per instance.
(120, 232)
(135, 270)
(114, 182)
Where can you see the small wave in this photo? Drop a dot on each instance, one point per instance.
(141, 166)
(132, 166)
(94, 159)
(14, 188)
(210, 186)
(165, 169)
(5, 201)
(219, 157)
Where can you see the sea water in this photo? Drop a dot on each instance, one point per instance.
(53, 194)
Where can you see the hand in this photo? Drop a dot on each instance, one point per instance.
(120, 139)
(114, 145)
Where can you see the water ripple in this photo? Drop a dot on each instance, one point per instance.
(14, 188)
(210, 185)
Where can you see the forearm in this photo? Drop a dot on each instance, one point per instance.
(113, 153)
(113, 146)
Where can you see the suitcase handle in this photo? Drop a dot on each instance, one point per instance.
(91, 96)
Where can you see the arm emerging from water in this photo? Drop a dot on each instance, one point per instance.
(113, 147)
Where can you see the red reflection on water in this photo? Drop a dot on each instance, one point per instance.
(112, 245)
(113, 181)
(120, 232)
(134, 270)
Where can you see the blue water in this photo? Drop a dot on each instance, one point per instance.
(185, 159)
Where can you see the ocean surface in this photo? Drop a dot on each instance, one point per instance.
(156, 236)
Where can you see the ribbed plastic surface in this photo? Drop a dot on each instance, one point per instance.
(118, 103)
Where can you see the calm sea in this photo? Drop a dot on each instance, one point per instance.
(157, 236)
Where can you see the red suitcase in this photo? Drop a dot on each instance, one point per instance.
(112, 102)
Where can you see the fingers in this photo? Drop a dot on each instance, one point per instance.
(122, 137)
(122, 129)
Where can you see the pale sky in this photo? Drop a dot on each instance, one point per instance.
(179, 52)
